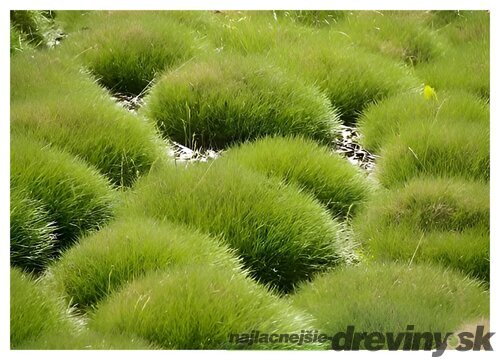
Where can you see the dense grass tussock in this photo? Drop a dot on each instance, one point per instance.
(85, 340)
(32, 233)
(253, 32)
(389, 297)
(282, 235)
(224, 100)
(76, 197)
(316, 18)
(441, 150)
(464, 67)
(430, 220)
(55, 102)
(403, 35)
(350, 76)
(381, 121)
(31, 29)
(33, 312)
(126, 49)
(332, 180)
(103, 262)
(197, 307)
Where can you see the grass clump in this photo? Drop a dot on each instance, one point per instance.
(350, 76)
(76, 198)
(33, 312)
(103, 262)
(430, 220)
(384, 120)
(224, 100)
(31, 29)
(330, 178)
(439, 150)
(85, 340)
(316, 18)
(389, 297)
(402, 35)
(167, 310)
(52, 100)
(282, 235)
(453, 70)
(32, 233)
(126, 49)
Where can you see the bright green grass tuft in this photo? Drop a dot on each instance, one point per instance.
(441, 150)
(33, 312)
(197, 307)
(402, 35)
(282, 235)
(337, 184)
(86, 340)
(54, 101)
(32, 27)
(103, 262)
(317, 18)
(350, 76)
(430, 220)
(126, 49)
(464, 67)
(384, 120)
(76, 198)
(224, 100)
(253, 32)
(389, 297)
(32, 233)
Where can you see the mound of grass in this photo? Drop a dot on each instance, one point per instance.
(317, 18)
(85, 340)
(441, 150)
(55, 102)
(254, 32)
(223, 100)
(197, 307)
(126, 49)
(466, 26)
(382, 121)
(402, 35)
(282, 235)
(464, 67)
(389, 297)
(350, 76)
(32, 233)
(332, 180)
(33, 312)
(34, 27)
(430, 220)
(128, 249)
(75, 196)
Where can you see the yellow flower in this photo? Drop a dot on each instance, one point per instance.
(429, 93)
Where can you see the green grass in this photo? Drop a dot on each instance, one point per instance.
(56, 102)
(33, 312)
(430, 220)
(105, 261)
(76, 198)
(332, 180)
(197, 307)
(467, 26)
(383, 121)
(85, 340)
(464, 67)
(402, 35)
(350, 76)
(316, 18)
(253, 32)
(388, 297)
(282, 235)
(228, 99)
(126, 49)
(442, 150)
(32, 27)
(32, 233)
